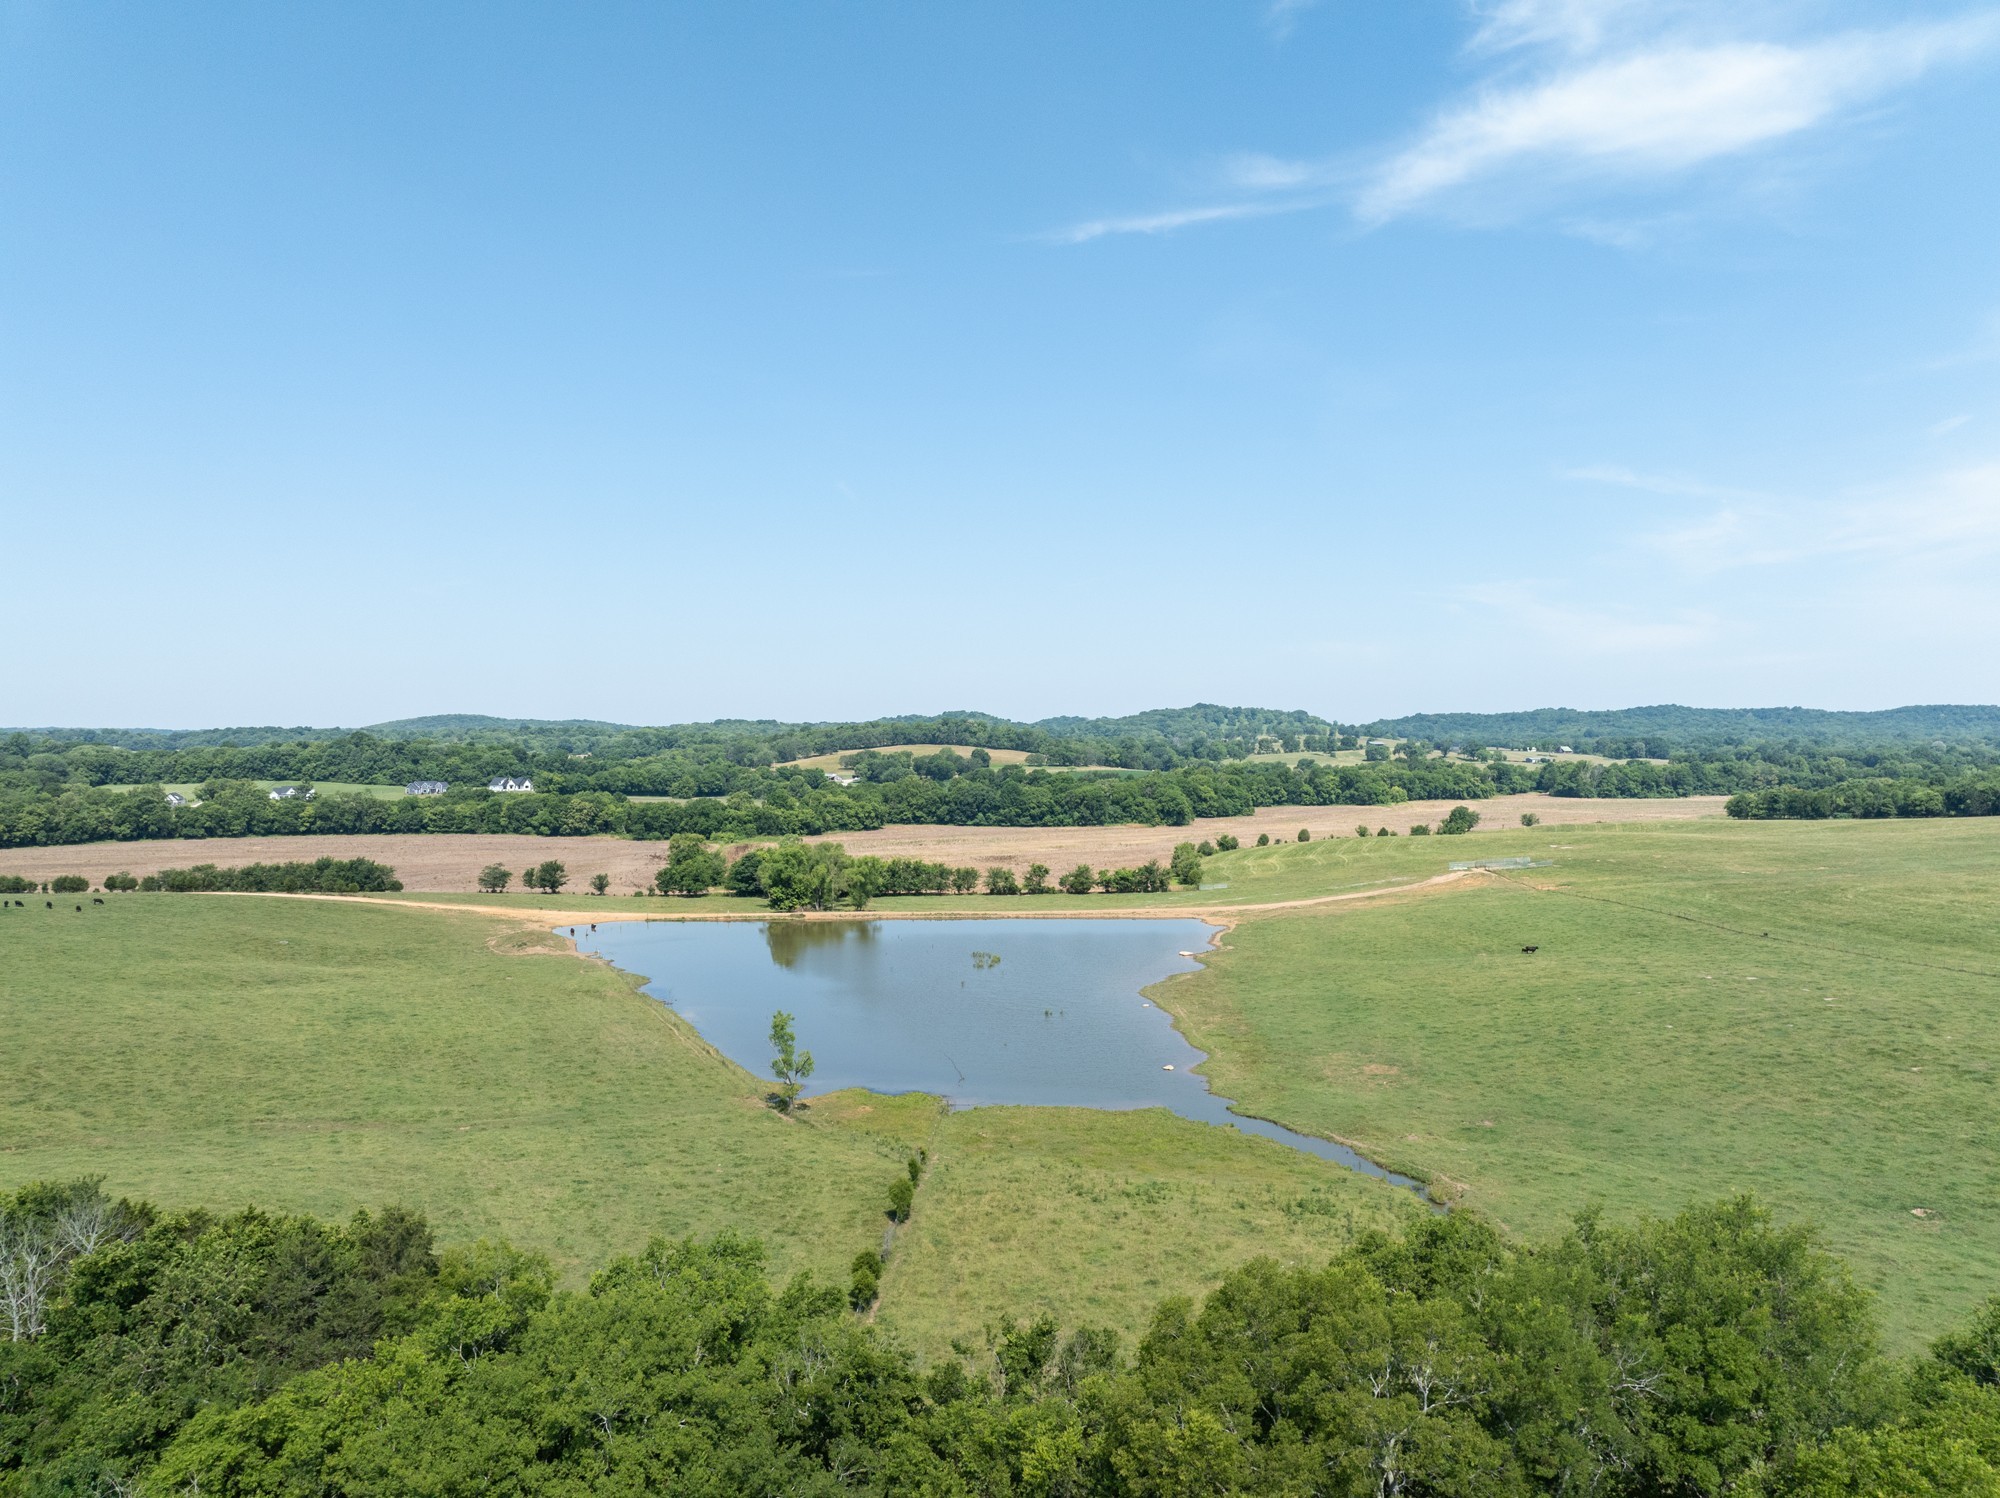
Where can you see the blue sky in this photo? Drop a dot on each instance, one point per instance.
(819, 361)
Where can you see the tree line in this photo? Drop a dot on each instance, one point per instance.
(255, 1353)
(1973, 795)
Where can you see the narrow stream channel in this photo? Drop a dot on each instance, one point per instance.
(981, 1012)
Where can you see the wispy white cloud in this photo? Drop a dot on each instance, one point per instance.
(1573, 25)
(1945, 522)
(1949, 424)
(1657, 483)
(1589, 92)
(1280, 16)
(1159, 223)
(1664, 108)
(1589, 630)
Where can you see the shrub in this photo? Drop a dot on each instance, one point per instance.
(964, 881)
(1422, 829)
(867, 1279)
(599, 883)
(743, 877)
(1529, 819)
(493, 879)
(68, 884)
(1263, 839)
(14, 884)
(1037, 882)
(1205, 848)
(332, 876)
(1362, 830)
(1002, 882)
(1079, 880)
(122, 881)
(1461, 819)
(1305, 836)
(1228, 842)
(1186, 864)
(902, 1194)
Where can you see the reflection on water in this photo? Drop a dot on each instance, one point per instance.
(788, 941)
(979, 1012)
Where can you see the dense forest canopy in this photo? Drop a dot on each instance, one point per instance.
(1670, 728)
(265, 1354)
(1203, 731)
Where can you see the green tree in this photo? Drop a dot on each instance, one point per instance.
(1362, 830)
(1036, 881)
(1079, 880)
(745, 876)
(1305, 836)
(1228, 842)
(1529, 819)
(964, 881)
(493, 879)
(599, 883)
(1263, 839)
(692, 868)
(1459, 820)
(790, 1066)
(1002, 882)
(796, 875)
(1186, 865)
(549, 877)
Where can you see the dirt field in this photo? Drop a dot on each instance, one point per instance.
(831, 762)
(453, 862)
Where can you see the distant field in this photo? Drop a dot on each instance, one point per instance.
(325, 1055)
(323, 787)
(452, 861)
(831, 762)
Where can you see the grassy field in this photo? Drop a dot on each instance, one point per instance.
(1659, 1046)
(324, 787)
(323, 1055)
(1096, 1217)
(831, 762)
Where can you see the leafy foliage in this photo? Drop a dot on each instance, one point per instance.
(1711, 1353)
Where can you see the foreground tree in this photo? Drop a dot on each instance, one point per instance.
(1459, 820)
(549, 877)
(1185, 865)
(493, 879)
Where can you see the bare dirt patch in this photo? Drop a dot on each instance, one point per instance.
(452, 861)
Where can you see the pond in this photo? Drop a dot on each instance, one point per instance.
(979, 1012)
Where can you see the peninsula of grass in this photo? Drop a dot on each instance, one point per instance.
(1658, 1046)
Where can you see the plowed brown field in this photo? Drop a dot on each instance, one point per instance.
(453, 862)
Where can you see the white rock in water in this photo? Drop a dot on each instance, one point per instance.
(1168, 1067)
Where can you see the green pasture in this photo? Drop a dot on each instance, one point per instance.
(1096, 1217)
(324, 787)
(323, 1055)
(1659, 1046)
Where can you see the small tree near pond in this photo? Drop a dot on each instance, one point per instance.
(599, 883)
(493, 879)
(547, 877)
(791, 1066)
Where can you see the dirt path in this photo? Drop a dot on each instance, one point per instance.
(1220, 915)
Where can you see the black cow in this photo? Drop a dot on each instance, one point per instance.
(1531, 949)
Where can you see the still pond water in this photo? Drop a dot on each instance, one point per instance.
(979, 1012)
